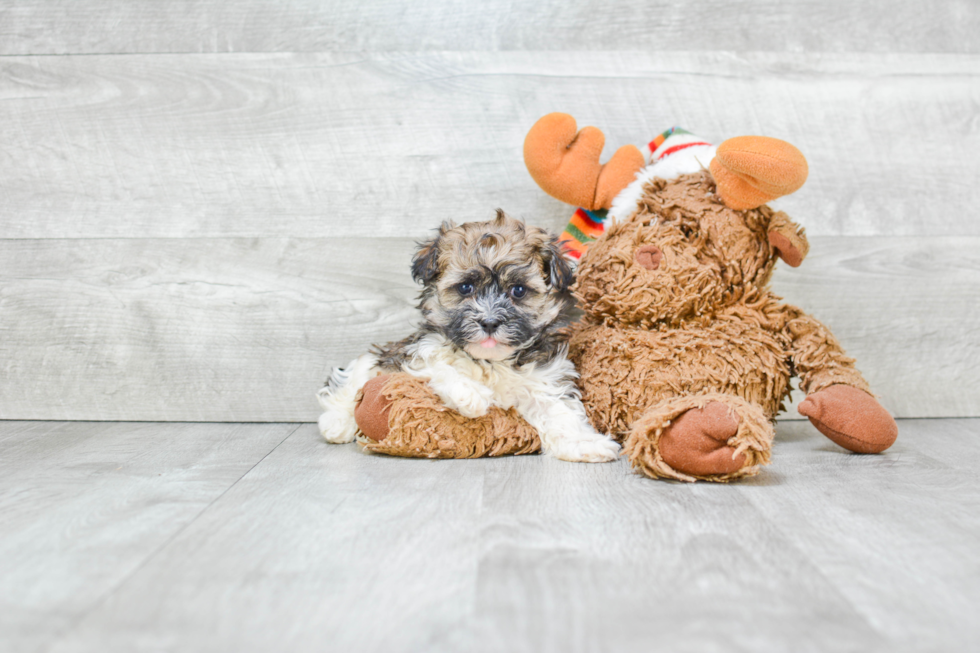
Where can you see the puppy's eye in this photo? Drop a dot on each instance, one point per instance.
(518, 291)
(465, 288)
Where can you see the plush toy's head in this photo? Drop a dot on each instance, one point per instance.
(682, 253)
(688, 231)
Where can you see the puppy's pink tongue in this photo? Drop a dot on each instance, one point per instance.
(489, 343)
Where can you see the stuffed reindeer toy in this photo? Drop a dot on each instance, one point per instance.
(684, 352)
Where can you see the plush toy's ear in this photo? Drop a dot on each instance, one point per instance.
(557, 268)
(788, 239)
(425, 264)
(752, 170)
(565, 162)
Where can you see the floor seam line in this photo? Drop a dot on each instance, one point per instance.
(810, 562)
(105, 597)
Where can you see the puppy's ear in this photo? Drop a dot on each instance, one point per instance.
(425, 264)
(557, 268)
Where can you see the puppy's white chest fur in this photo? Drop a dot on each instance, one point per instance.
(498, 382)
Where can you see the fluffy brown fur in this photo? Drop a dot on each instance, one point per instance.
(419, 426)
(695, 323)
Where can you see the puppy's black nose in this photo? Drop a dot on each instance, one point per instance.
(489, 324)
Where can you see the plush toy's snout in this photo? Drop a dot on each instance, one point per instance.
(649, 256)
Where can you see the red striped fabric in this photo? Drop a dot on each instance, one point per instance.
(678, 148)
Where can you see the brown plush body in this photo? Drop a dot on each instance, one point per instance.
(699, 328)
(684, 352)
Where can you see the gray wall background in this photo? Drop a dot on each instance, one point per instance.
(205, 205)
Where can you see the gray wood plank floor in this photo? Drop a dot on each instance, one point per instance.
(191, 537)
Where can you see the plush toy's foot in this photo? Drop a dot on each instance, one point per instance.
(400, 415)
(696, 443)
(371, 413)
(711, 437)
(851, 418)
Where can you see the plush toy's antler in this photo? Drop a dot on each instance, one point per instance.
(565, 162)
(752, 170)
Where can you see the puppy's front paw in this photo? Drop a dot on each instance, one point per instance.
(469, 400)
(337, 427)
(601, 449)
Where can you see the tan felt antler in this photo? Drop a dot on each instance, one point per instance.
(752, 170)
(565, 162)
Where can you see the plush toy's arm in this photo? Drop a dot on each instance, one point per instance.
(839, 401)
(817, 356)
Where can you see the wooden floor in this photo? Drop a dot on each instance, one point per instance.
(260, 537)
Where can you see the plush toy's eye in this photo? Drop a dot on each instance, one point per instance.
(518, 291)
(465, 288)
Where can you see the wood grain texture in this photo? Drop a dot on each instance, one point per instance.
(320, 546)
(320, 549)
(120, 26)
(248, 329)
(875, 532)
(84, 505)
(376, 144)
(906, 309)
(192, 330)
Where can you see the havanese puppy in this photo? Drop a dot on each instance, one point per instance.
(494, 298)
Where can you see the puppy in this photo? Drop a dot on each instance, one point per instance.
(494, 297)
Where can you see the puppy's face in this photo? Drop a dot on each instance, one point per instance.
(493, 288)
